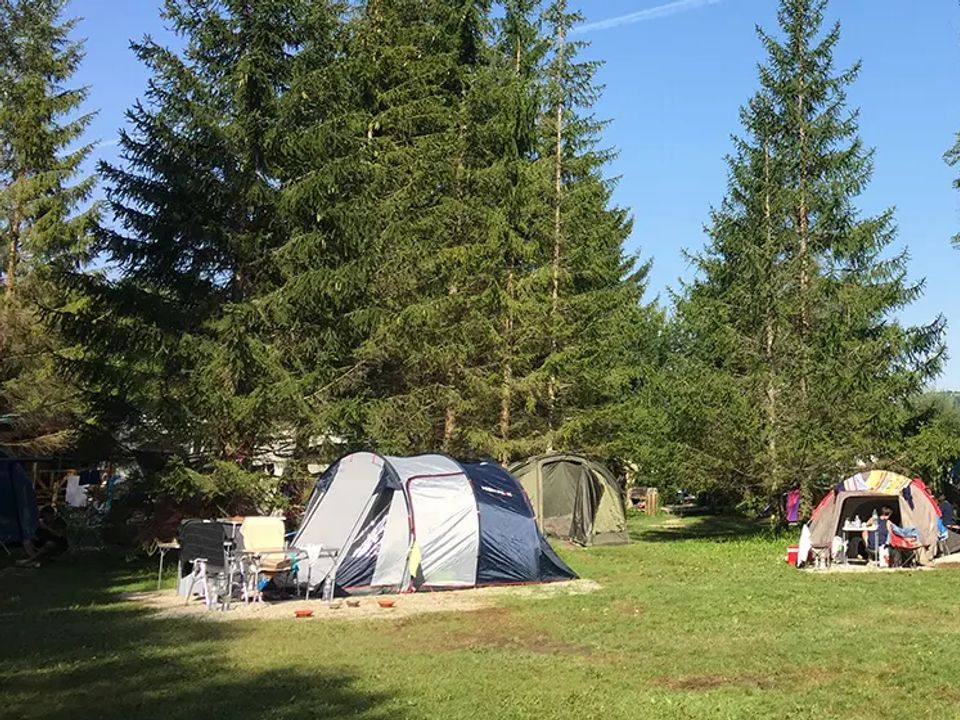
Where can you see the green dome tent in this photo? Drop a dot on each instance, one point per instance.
(574, 498)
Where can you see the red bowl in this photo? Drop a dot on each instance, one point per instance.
(303, 613)
(386, 602)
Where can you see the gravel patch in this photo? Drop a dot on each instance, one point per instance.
(168, 604)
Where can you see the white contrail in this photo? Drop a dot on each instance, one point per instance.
(654, 13)
(108, 143)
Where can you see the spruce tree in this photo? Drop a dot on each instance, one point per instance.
(468, 343)
(512, 184)
(45, 216)
(797, 300)
(320, 306)
(425, 362)
(733, 337)
(175, 338)
(602, 344)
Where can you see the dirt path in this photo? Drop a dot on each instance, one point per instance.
(167, 604)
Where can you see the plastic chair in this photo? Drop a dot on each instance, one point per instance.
(206, 546)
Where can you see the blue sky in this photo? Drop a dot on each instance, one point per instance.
(676, 74)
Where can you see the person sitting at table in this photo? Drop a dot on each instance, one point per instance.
(876, 535)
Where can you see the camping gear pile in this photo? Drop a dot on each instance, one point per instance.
(378, 524)
(916, 529)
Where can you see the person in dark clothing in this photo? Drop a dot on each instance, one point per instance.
(876, 536)
(948, 514)
(50, 539)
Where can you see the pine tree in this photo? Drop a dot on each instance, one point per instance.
(45, 215)
(175, 339)
(798, 292)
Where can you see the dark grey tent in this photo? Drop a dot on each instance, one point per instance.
(574, 498)
(18, 505)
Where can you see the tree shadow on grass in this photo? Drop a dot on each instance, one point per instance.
(711, 527)
(71, 649)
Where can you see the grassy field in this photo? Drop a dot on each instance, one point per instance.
(700, 620)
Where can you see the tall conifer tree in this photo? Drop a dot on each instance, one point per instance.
(735, 338)
(953, 158)
(797, 300)
(424, 360)
(175, 338)
(511, 182)
(319, 308)
(601, 342)
(45, 215)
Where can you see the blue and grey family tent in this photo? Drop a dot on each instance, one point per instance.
(389, 524)
(18, 505)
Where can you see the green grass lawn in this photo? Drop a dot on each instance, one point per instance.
(702, 620)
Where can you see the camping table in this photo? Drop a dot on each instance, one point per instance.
(163, 547)
(327, 592)
(856, 531)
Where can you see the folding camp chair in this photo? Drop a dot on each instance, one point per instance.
(905, 546)
(821, 557)
(262, 554)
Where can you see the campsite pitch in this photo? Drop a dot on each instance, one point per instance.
(169, 605)
(696, 619)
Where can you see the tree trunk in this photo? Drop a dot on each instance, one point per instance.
(10, 269)
(557, 223)
(449, 429)
(506, 386)
(450, 416)
(770, 333)
(803, 228)
(804, 271)
(13, 245)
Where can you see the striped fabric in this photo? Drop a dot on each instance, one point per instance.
(878, 481)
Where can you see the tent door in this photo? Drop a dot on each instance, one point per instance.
(589, 492)
(447, 529)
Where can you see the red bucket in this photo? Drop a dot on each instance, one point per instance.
(793, 552)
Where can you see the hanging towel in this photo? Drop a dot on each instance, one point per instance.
(76, 494)
(313, 552)
(806, 546)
